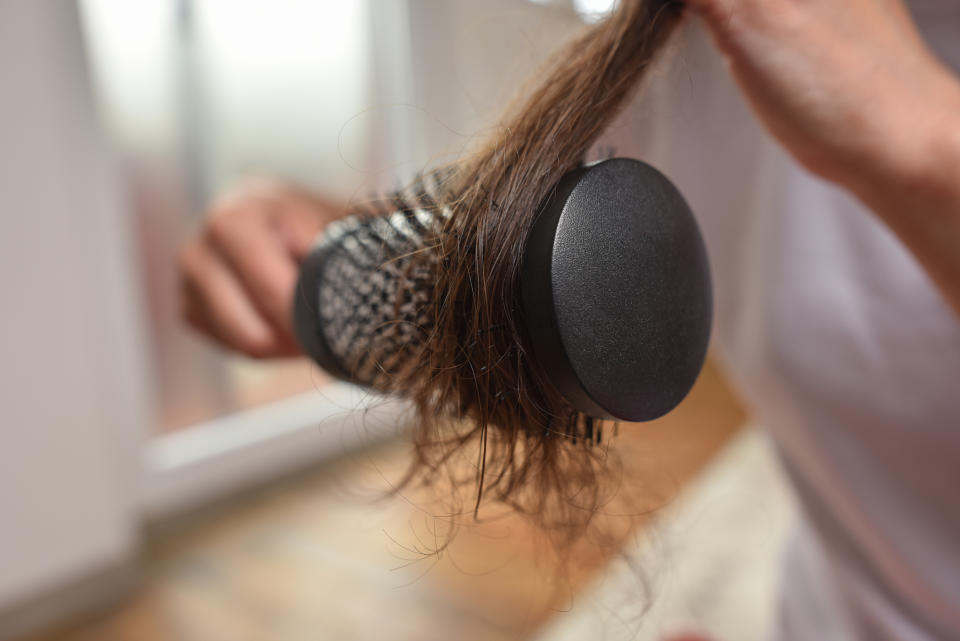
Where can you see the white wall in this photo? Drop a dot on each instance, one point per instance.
(468, 61)
(71, 378)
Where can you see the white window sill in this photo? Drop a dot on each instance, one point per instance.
(209, 461)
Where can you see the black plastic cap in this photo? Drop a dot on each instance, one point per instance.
(616, 291)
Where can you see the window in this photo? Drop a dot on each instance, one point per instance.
(196, 95)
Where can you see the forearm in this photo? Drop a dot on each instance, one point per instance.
(916, 190)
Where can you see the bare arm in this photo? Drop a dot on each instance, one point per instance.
(852, 91)
(920, 202)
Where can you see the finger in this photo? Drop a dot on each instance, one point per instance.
(247, 242)
(717, 16)
(193, 313)
(749, 33)
(296, 212)
(300, 217)
(196, 316)
(216, 304)
(714, 12)
(730, 20)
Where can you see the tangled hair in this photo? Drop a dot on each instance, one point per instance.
(475, 382)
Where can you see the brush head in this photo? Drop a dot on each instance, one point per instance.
(362, 303)
(615, 289)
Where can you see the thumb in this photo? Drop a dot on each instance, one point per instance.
(725, 18)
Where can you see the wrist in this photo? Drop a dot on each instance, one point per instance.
(917, 164)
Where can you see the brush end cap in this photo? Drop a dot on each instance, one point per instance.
(616, 291)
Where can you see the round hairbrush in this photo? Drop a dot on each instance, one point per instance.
(615, 290)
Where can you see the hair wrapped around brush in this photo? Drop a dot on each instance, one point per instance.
(459, 233)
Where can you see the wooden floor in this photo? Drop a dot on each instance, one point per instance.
(324, 556)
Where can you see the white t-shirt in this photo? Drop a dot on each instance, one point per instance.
(840, 344)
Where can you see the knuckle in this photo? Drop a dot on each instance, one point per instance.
(221, 222)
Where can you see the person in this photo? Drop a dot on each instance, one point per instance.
(821, 151)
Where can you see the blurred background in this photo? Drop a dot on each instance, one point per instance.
(154, 487)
